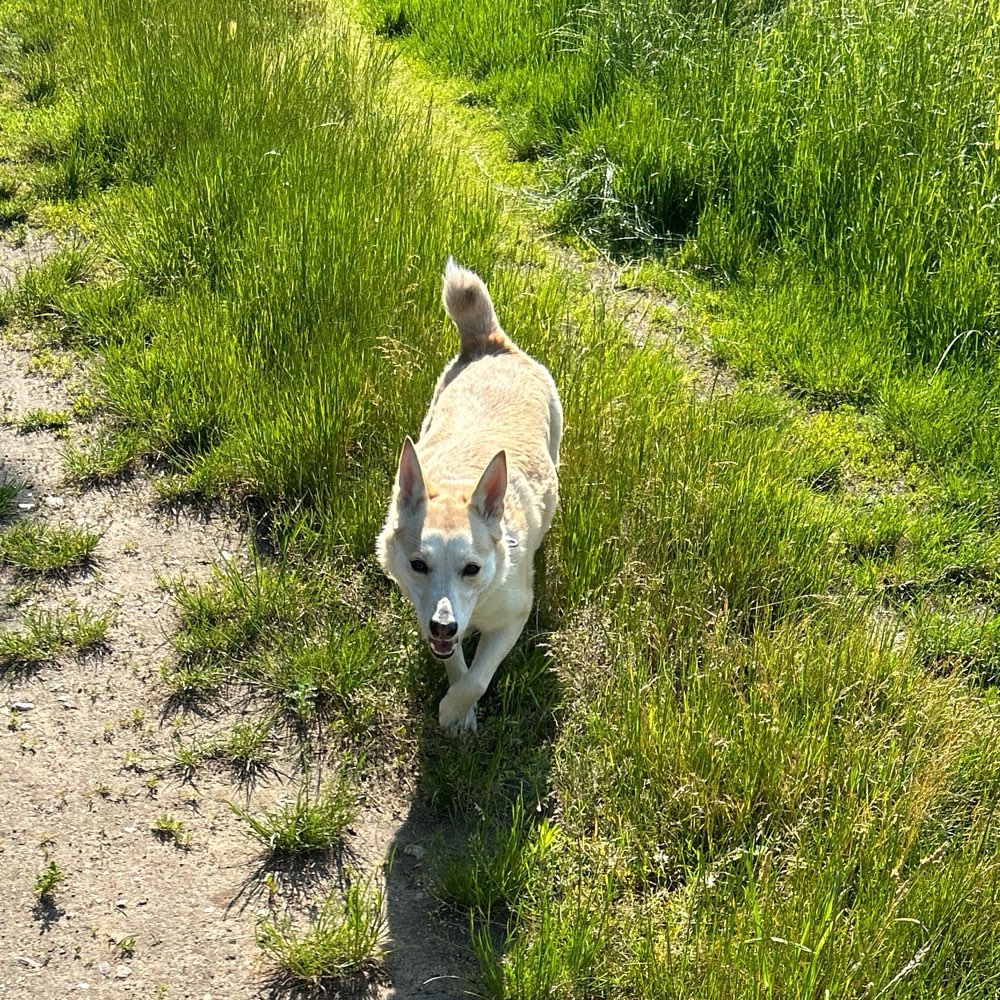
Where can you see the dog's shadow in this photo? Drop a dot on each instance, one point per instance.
(469, 788)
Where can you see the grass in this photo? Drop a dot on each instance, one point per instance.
(748, 741)
(33, 546)
(247, 748)
(834, 205)
(341, 940)
(289, 635)
(314, 822)
(44, 635)
(10, 489)
(43, 420)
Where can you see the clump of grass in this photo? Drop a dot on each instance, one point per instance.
(33, 546)
(170, 829)
(315, 821)
(341, 939)
(47, 634)
(10, 489)
(38, 290)
(107, 457)
(497, 863)
(43, 420)
(47, 880)
(286, 632)
(247, 748)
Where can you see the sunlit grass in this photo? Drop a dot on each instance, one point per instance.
(43, 635)
(718, 759)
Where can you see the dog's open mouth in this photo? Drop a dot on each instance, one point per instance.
(442, 648)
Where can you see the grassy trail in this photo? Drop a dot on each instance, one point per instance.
(747, 746)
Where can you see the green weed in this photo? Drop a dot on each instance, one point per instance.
(47, 880)
(10, 489)
(169, 828)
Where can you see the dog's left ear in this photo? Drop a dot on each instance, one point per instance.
(488, 496)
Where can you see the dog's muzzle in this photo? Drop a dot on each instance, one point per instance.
(443, 629)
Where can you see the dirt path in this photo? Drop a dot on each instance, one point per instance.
(88, 764)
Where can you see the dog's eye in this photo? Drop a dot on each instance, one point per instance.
(418, 566)
(470, 569)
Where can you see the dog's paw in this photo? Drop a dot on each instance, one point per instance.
(455, 722)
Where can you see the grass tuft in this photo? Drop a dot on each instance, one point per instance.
(341, 939)
(33, 546)
(314, 822)
(10, 490)
(44, 635)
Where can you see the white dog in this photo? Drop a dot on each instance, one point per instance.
(474, 497)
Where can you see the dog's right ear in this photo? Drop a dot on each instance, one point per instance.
(409, 479)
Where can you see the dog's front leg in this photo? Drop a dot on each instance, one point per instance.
(457, 671)
(457, 711)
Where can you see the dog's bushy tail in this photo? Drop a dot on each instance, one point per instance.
(467, 301)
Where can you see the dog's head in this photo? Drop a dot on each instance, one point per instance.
(443, 543)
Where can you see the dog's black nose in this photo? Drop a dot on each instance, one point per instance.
(443, 630)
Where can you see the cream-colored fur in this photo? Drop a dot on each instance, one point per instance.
(474, 497)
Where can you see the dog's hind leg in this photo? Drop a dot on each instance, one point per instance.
(457, 711)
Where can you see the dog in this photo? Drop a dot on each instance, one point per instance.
(474, 498)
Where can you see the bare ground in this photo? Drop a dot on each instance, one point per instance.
(88, 764)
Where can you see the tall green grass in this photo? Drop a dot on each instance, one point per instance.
(834, 165)
(711, 768)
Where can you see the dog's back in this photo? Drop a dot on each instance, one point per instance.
(493, 396)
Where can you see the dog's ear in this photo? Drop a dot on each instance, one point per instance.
(488, 496)
(410, 479)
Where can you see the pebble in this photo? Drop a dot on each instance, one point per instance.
(22, 706)
(27, 506)
(24, 960)
(122, 972)
(415, 851)
(104, 968)
(54, 501)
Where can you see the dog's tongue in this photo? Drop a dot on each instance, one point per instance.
(442, 647)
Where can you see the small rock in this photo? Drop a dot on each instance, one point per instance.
(29, 506)
(104, 968)
(28, 963)
(22, 706)
(121, 903)
(54, 501)
(122, 972)
(415, 851)
(81, 986)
